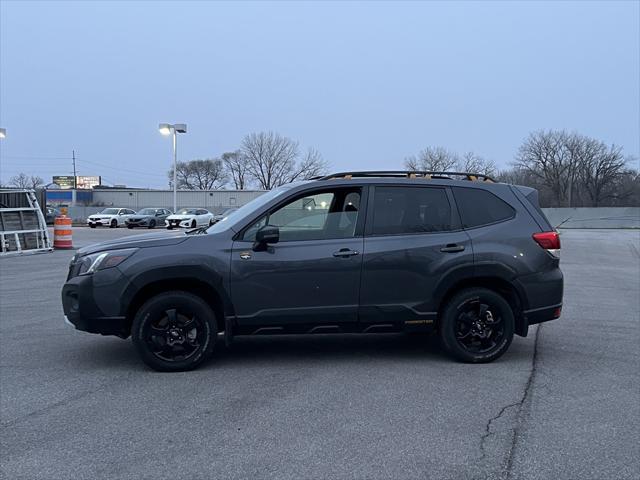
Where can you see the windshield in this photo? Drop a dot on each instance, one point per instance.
(186, 211)
(247, 208)
(147, 211)
(110, 211)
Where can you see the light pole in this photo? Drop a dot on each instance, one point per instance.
(168, 129)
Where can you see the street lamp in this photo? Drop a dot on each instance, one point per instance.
(3, 132)
(168, 129)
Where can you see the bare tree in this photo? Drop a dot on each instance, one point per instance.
(22, 180)
(237, 168)
(599, 169)
(544, 154)
(207, 174)
(434, 159)
(576, 169)
(273, 160)
(470, 162)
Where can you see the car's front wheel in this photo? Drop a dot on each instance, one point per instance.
(113, 224)
(477, 325)
(193, 224)
(174, 331)
(152, 224)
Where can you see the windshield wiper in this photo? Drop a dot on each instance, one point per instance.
(196, 231)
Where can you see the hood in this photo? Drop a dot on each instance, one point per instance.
(137, 241)
(143, 217)
(181, 217)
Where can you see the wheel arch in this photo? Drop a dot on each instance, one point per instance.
(214, 297)
(498, 283)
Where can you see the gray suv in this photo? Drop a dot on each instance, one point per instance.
(457, 254)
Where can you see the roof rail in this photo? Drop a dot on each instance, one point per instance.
(473, 177)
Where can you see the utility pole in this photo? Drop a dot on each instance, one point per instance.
(75, 182)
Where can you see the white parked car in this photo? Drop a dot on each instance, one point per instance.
(111, 217)
(189, 218)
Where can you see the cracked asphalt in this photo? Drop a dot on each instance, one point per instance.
(563, 403)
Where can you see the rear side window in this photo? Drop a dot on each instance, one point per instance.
(480, 207)
(399, 210)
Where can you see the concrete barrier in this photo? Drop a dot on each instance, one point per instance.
(596, 217)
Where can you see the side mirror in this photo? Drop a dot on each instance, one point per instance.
(267, 234)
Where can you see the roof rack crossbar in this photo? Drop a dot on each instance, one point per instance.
(408, 174)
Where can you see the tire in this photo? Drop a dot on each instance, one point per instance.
(477, 325)
(193, 224)
(92, 225)
(130, 227)
(113, 224)
(154, 344)
(169, 227)
(152, 224)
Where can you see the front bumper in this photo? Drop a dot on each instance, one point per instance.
(178, 223)
(98, 222)
(84, 312)
(138, 223)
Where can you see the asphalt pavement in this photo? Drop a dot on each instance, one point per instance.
(563, 403)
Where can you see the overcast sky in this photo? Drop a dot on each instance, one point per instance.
(367, 84)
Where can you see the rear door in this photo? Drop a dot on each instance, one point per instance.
(312, 275)
(413, 238)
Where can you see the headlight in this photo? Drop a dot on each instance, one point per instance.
(101, 260)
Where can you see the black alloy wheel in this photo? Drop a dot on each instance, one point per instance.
(113, 224)
(174, 331)
(477, 325)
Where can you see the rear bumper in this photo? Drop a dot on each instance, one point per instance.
(541, 294)
(543, 314)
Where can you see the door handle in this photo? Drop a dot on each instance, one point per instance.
(452, 248)
(345, 252)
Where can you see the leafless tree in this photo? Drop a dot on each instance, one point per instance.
(434, 159)
(577, 169)
(207, 174)
(470, 162)
(273, 160)
(598, 171)
(22, 180)
(237, 168)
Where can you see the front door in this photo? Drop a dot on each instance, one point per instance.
(312, 275)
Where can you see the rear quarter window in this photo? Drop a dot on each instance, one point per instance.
(479, 207)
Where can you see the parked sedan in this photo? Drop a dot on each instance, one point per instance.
(111, 217)
(189, 218)
(148, 218)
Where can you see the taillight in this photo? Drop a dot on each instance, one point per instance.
(549, 241)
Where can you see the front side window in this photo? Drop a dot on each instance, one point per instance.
(404, 210)
(314, 216)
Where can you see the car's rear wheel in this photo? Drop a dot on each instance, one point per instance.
(174, 331)
(152, 224)
(113, 224)
(477, 325)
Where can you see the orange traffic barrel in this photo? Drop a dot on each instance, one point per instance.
(62, 232)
